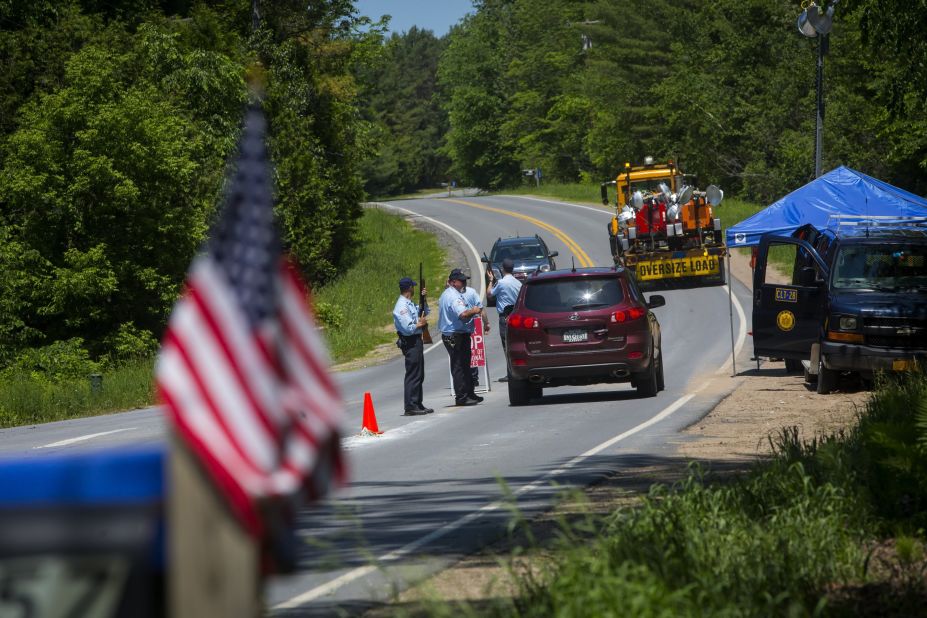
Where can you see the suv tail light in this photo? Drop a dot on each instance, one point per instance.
(626, 315)
(517, 320)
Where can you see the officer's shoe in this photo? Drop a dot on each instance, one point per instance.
(466, 402)
(504, 379)
(414, 412)
(426, 410)
(477, 397)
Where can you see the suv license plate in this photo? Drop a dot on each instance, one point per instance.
(573, 336)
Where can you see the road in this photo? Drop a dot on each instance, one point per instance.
(433, 488)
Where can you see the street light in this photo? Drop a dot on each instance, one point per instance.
(812, 22)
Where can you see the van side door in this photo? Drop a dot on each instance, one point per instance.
(788, 309)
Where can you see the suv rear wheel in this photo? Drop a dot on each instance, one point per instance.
(519, 391)
(646, 383)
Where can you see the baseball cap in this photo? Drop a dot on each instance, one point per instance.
(458, 275)
(508, 264)
(406, 282)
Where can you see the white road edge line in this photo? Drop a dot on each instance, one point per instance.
(354, 574)
(89, 436)
(476, 254)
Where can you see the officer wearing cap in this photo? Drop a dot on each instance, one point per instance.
(506, 292)
(409, 330)
(454, 312)
(474, 300)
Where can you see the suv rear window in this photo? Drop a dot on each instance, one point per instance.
(574, 294)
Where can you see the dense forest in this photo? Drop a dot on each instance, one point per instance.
(727, 88)
(118, 121)
(119, 118)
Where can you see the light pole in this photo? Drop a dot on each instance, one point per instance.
(812, 22)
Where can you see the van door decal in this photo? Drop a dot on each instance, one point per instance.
(785, 320)
(786, 295)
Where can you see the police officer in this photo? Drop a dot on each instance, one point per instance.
(506, 292)
(474, 300)
(409, 329)
(453, 315)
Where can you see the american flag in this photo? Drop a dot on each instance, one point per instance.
(242, 370)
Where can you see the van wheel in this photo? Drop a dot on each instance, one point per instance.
(793, 365)
(827, 379)
(519, 392)
(647, 382)
(661, 384)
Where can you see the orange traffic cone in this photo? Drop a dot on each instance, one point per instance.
(369, 426)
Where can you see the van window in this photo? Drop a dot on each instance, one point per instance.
(881, 267)
(574, 294)
(784, 263)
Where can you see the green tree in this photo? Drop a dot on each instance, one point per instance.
(472, 74)
(111, 179)
(400, 99)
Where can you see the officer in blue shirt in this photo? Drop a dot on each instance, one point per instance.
(506, 292)
(409, 329)
(474, 300)
(454, 313)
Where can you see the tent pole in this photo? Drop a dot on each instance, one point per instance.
(730, 308)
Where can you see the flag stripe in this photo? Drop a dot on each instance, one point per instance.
(295, 314)
(245, 353)
(228, 480)
(201, 409)
(204, 357)
(248, 349)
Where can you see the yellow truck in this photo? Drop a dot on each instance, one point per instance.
(663, 230)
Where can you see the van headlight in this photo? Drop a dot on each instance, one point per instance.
(544, 268)
(847, 322)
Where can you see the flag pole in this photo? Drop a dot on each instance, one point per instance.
(213, 564)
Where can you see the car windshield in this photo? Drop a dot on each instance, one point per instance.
(885, 267)
(518, 253)
(575, 294)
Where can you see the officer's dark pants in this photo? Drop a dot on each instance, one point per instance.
(413, 350)
(458, 349)
(503, 331)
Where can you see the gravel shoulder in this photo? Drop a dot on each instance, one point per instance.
(729, 439)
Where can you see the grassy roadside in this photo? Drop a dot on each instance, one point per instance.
(833, 526)
(356, 311)
(28, 398)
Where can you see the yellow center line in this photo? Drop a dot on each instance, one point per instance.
(571, 244)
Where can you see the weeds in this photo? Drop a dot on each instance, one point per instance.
(29, 397)
(799, 535)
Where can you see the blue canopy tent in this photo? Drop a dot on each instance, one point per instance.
(842, 191)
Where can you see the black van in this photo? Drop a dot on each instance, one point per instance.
(855, 300)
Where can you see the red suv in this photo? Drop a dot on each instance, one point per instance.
(583, 326)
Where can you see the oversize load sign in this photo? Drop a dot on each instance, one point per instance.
(477, 346)
(696, 266)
